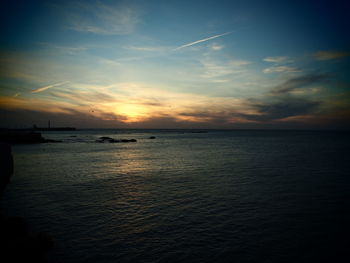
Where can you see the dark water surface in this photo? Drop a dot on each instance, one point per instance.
(219, 196)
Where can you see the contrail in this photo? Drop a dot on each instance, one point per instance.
(49, 87)
(202, 40)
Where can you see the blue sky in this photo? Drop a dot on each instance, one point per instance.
(169, 64)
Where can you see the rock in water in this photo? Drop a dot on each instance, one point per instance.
(111, 140)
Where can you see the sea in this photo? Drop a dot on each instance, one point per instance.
(187, 195)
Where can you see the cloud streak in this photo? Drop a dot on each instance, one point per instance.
(280, 69)
(49, 87)
(297, 83)
(201, 40)
(276, 59)
(329, 55)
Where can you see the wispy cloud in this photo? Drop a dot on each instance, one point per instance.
(110, 62)
(35, 104)
(285, 108)
(70, 50)
(286, 101)
(281, 69)
(329, 55)
(293, 84)
(49, 87)
(216, 69)
(103, 19)
(239, 63)
(276, 59)
(216, 47)
(202, 40)
(148, 49)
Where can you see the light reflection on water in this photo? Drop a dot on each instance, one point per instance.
(208, 197)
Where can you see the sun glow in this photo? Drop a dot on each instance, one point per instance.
(132, 112)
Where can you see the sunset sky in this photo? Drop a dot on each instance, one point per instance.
(175, 64)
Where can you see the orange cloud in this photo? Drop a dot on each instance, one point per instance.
(129, 103)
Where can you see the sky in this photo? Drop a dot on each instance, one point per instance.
(175, 64)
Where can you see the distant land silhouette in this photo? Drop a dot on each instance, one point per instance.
(26, 136)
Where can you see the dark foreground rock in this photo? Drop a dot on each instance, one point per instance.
(23, 137)
(111, 140)
(17, 242)
(6, 165)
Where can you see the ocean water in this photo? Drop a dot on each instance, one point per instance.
(214, 196)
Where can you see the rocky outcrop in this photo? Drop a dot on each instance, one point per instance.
(104, 139)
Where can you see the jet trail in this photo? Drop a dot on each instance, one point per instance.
(201, 40)
(48, 87)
